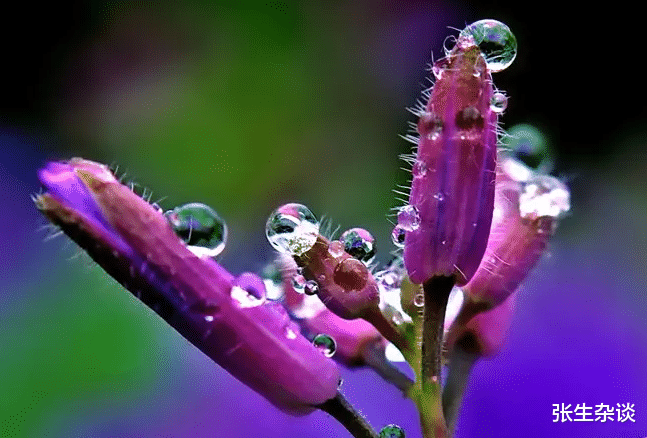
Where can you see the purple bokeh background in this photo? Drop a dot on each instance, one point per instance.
(580, 331)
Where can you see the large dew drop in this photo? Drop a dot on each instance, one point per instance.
(392, 431)
(325, 344)
(200, 227)
(397, 236)
(497, 43)
(292, 229)
(359, 243)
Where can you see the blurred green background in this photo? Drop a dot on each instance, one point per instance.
(245, 106)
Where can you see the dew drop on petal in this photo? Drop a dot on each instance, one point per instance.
(430, 125)
(469, 118)
(439, 197)
(409, 218)
(311, 287)
(392, 431)
(326, 344)
(398, 235)
(543, 196)
(496, 41)
(359, 243)
(292, 229)
(200, 227)
(419, 300)
(336, 248)
(498, 102)
(299, 283)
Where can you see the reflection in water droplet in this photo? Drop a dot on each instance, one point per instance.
(498, 102)
(409, 218)
(311, 287)
(200, 227)
(359, 243)
(419, 300)
(496, 41)
(325, 344)
(398, 235)
(292, 229)
(439, 196)
(392, 431)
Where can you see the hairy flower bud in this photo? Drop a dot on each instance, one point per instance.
(454, 169)
(225, 317)
(527, 207)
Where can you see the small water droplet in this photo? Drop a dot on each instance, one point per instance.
(430, 124)
(419, 300)
(299, 283)
(495, 40)
(200, 227)
(359, 243)
(325, 344)
(409, 218)
(336, 248)
(439, 197)
(398, 235)
(469, 118)
(311, 287)
(292, 229)
(498, 102)
(419, 169)
(392, 431)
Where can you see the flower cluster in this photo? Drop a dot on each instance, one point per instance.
(474, 226)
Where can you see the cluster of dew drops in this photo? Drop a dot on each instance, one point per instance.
(293, 229)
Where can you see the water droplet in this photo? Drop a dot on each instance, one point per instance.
(200, 227)
(292, 229)
(419, 300)
(398, 235)
(325, 344)
(392, 431)
(409, 218)
(469, 118)
(430, 125)
(311, 287)
(252, 284)
(498, 102)
(497, 43)
(419, 169)
(299, 283)
(359, 243)
(439, 197)
(336, 248)
(544, 196)
(528, 145)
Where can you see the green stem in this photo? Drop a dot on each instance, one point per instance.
(339, 408)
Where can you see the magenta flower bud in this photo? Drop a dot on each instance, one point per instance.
(346, 286)
(453, 174)
(227, 318)
(527, 207)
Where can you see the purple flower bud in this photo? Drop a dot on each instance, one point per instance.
(225, 317)
(526, 209)
(454, 170)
